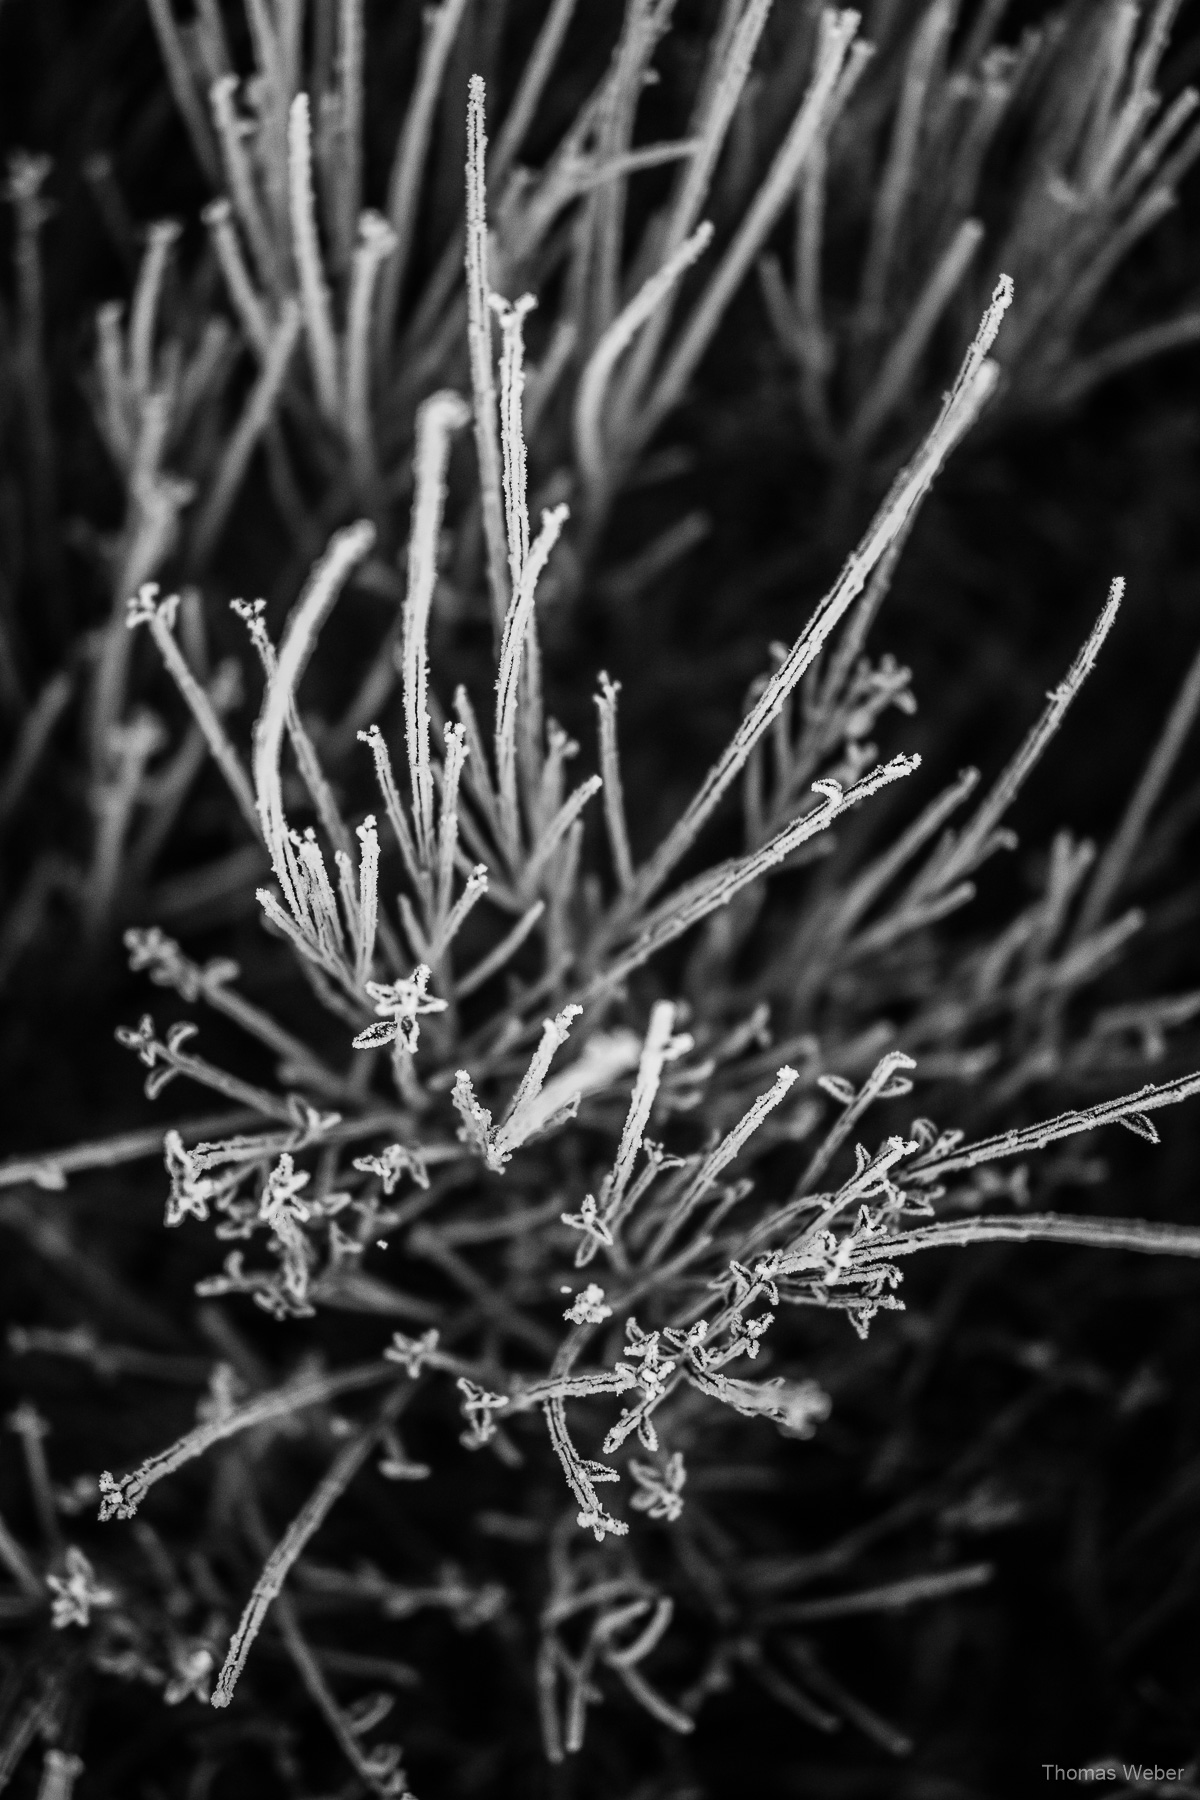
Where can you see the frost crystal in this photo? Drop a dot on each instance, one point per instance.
(588, 1308)
(400, 1005)
(76, 1592)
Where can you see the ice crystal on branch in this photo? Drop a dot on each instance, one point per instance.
(400, 1005)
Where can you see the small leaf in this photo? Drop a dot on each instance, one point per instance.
(377, 1035)
(837, 1087)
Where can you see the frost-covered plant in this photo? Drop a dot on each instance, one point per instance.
(436, 1115)
(505, 996)
(907, 155)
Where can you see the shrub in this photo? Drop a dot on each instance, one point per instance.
(443, 1120)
